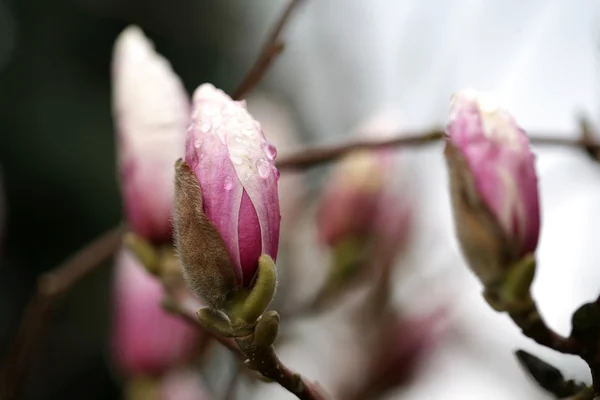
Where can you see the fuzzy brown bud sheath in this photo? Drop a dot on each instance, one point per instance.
(206, 264)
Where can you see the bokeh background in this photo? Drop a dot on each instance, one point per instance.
(344, 61)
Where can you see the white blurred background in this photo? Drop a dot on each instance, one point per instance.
(347, 59)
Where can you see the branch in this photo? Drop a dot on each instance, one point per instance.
(312, 157)
(264, 360)
(272, 48)
(51, 286)
(533, 326)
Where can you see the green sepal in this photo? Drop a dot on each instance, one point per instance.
(518, 280)
(514, 288)
(348, 257)
(215, 321)
(247, 306)
(144, 251)
(266, 330)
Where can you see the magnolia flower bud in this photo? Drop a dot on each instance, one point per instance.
(358, 200)
(151, 111)
(146, 339)
(493, 185)
(226, 196)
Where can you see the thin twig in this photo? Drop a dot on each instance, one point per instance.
(272, 48)
(51, 286)
(264, 360)
(312, 157)
(529, 319)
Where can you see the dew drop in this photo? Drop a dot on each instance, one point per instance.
(263, 167)
(270, 151)
(198, 143)
(228, 183)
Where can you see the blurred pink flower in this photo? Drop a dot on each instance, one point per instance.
(235, 167)
(146, 339)
(405, 346)
(502, 165)
(359, 198)
(151, 111)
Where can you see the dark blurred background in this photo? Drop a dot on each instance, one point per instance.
(57, 152)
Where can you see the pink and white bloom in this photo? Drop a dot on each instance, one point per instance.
(501, 167)
(235, 167)
(146, 339)
(280, 129)
(151, 111)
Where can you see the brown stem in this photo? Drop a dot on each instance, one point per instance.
(311, 157)
(528, 318)
(264, 360)
(272, 48)
(51, 286)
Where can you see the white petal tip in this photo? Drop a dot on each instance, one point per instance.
(486, 102)
(132, 42)
(208, 92)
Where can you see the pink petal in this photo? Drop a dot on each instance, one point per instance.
(151, 111)
(249, 239)
(146, 339)
(498, 154)
(232, 159)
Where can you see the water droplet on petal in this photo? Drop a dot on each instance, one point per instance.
(263, 167)
(228, 183)
(270, 151)
(198, 143)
